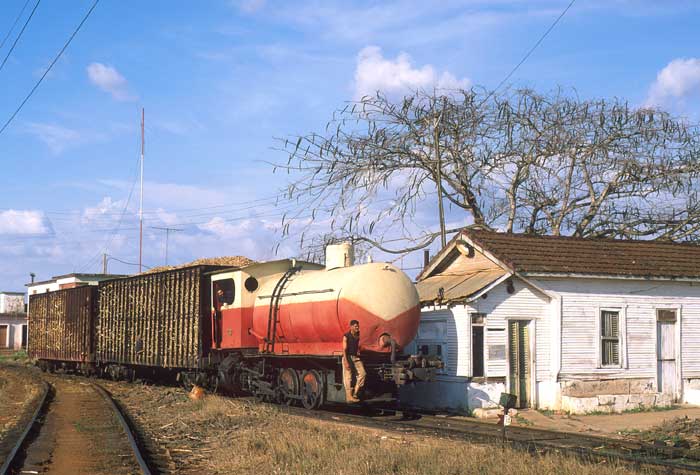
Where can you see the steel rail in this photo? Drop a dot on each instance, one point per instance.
(127, 430)
(5, 469)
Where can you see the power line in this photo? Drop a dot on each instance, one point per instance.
(58, 56)
(110, 257)
(235, 205)
(108, 242)
(167, 235)
(12, 28)
(12, 48)
(527, 55)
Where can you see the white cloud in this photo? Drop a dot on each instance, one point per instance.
(172, 195)
(108, 79)
(230, 229)
(677, 81)
(250, 6)
(23, 222)
(56, 137)
(105, 208)
(398, 76)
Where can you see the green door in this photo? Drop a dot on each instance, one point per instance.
(519, 361)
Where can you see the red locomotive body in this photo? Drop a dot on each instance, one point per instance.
(287, 318)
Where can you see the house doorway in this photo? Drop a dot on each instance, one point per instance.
(3, 336)
(519, 361)
(666, 353)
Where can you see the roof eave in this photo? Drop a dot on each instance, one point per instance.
(578, 275)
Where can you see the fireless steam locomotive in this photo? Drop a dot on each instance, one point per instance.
(271, 329)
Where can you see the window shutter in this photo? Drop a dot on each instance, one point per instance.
(610, 337)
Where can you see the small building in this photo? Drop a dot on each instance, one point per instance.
(13, 322)
(67, 281)
(563, 323)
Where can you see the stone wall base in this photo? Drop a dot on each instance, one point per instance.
(611, 396)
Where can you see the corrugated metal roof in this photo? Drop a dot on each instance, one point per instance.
(456, 285)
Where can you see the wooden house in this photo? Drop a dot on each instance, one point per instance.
(564, 323)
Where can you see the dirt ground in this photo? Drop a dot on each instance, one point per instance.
(79, 435)
(18, 392)
(607, 424)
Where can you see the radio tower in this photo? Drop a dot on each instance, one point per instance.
(143, 115)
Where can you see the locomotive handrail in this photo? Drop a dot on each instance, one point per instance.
(303, 292)
(274, 308)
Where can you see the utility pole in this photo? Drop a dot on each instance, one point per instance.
(436, 139)
(167, 234)
(143, 115)
(104, 262)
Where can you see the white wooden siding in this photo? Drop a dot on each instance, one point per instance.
(582, 300)
(524, 303)
(499, 306)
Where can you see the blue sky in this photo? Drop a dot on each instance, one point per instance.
(220, 79)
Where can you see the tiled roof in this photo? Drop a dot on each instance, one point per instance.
(568, 255)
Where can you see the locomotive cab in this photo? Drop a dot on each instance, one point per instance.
(233, 300)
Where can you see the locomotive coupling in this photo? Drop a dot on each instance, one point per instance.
(414, 369)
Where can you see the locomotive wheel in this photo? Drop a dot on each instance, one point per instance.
(312, 389)
(287, 386)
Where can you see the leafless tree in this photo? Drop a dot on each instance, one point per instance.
(518, 161)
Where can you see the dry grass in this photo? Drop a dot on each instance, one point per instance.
(18, 395)
(219, 435)
(266, 440)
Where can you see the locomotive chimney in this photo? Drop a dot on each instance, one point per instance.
(340, 255)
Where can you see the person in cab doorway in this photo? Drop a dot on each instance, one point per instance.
(352, 363)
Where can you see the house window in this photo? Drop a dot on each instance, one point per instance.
(666, 315)
(610, 337)
(478, 320)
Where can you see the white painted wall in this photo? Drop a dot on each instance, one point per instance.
(11, 302)
(582, 300)
(14, 334)
(566, 337)
(454, 388)
(637, 301)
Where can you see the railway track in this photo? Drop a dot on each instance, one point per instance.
(76, 427)
(593, 449)
(589, 448)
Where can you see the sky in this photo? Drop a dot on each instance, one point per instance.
(222, 81)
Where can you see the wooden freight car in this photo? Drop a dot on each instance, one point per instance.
(62, 328)
(155, 323)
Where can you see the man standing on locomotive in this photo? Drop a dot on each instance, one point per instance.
(352, 363)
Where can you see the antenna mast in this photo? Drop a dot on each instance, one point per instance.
(143, 114)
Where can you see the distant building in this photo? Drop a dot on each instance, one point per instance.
(68, 281)
(13, 322)
(11, 302)
(570, 324)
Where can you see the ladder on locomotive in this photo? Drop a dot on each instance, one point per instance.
(273, 315)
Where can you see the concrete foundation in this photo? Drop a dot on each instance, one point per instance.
(611, 396)
(454, 395)
(691, 391)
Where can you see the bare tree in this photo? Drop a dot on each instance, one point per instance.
(517, 161)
